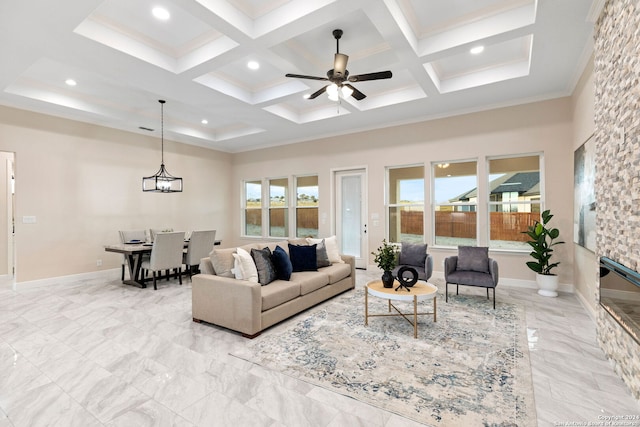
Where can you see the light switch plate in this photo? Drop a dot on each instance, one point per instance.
(29, 219)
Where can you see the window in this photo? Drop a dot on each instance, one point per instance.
(406, 204)
(514, 200)
(307, 206)
(455, 204)
(278, 207)
(253, 208)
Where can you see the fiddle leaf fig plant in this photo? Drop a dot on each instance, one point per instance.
(543, 239)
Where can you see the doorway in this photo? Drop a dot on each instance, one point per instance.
(351, 213)
(7, 194)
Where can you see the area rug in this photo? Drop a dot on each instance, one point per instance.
(470, 368)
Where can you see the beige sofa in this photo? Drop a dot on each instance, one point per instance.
(249, 308)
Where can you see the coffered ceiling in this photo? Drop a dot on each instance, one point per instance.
(123, 59)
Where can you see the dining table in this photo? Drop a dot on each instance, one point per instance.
(134, 254)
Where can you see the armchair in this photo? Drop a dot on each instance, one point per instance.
(415, 255)
(471, 267)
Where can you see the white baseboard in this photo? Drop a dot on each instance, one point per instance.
(518, 283)
(111, 274)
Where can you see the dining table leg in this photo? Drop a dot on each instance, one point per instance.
(134, 262)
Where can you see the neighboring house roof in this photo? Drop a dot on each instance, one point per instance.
(525, 183)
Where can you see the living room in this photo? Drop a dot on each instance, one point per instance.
(78, 183)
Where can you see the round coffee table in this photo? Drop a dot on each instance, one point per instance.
(419, 291)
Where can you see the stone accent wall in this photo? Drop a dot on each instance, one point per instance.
(617, 123)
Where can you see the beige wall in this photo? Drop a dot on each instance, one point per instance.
(544, 127)
(585, 268)
(83, 184)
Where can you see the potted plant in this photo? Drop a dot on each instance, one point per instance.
(385, 259)
(543, 239)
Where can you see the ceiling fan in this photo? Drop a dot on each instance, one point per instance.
(339, 76)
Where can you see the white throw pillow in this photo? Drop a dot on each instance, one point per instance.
(245, 268)
(331, 244)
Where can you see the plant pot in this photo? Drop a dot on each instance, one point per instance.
(387, 279)
(547, 284)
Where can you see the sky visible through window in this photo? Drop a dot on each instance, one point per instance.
(412, 190)
(254, 191)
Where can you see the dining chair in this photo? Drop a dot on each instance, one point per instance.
(166, 254)
(154, 231)
(128, 236)
(199, 246)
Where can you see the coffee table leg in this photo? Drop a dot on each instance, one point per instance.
(434, 309)
(366, 306)
(415, 316)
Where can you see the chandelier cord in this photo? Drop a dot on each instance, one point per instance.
(162, 131)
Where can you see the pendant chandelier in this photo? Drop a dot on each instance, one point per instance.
(162, 181)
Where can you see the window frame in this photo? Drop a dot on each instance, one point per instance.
(389, 205)
(295, 206)
(491, 204)
(434, 204)
(245, 208)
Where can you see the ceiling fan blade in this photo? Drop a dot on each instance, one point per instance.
(300, 76)
(371, 76)
(340, 64)
(320, 91)
(356, 93)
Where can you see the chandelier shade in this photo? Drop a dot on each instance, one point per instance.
(162, 181)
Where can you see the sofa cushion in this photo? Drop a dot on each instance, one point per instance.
(414, 254)
(337, 272)
(310, 281)
(300, 241)
(303, 258)
(473, 258)
(331, 243)
(282, 263)
(264, 265)
(247, 268)
(222, 261)
(471, 278)
(278, 292)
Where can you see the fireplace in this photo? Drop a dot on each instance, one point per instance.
(620, 295)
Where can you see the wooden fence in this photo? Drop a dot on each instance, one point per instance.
(306, 218)
(503, 225)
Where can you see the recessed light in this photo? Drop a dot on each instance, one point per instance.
(204, 121)
(253, 65)
(476, 50)
(70, 82)
(306, 95)
(161, 13)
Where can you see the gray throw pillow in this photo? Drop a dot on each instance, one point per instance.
(322, 259)
(413, 254)
(222, 261)
(473, 258)
(264, 265)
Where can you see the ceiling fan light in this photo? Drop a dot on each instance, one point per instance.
(346, 91)
(332, 90)
(333, 97)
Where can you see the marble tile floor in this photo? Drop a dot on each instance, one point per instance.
(94, 353)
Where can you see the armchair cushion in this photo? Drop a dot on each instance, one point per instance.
(472, 258)
(413, 254)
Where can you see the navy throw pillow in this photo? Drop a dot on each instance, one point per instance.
(282, 263)
(303, 258)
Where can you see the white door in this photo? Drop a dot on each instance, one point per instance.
(351, 214)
